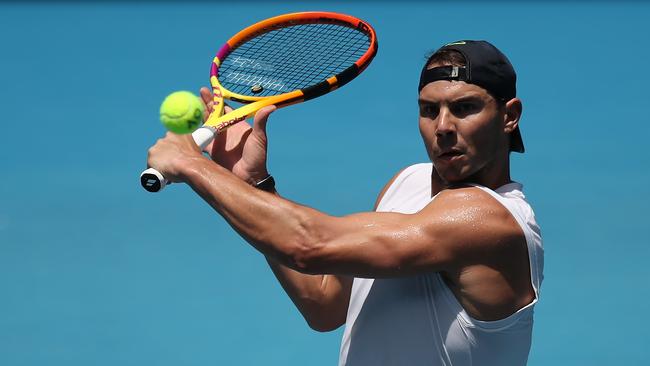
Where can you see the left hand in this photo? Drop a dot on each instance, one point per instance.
(171, 154)
(242, 149)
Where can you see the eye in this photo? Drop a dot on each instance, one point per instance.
(429, 110)
(465, 108)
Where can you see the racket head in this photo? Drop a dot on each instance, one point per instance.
(292, 58)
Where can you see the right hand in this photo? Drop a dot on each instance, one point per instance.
(242, 149)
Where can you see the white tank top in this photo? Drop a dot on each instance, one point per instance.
(411, 321)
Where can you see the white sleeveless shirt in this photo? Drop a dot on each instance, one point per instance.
(411, 321)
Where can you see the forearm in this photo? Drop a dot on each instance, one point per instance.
(274, 226)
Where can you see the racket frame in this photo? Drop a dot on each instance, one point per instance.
(219, 121)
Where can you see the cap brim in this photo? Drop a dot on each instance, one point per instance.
(516, 142)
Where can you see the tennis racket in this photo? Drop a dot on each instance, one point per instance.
(282, 60)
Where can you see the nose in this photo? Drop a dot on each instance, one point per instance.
(446, 124)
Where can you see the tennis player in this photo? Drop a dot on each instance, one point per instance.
(447, 269)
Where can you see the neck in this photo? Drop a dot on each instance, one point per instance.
(495, 174)
(437, 183)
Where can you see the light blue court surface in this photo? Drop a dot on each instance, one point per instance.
(95, 271)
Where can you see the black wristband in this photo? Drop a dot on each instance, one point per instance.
(266, 184)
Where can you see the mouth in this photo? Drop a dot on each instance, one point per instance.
(450, 155)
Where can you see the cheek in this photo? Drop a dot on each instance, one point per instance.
(480, 134)
(425, 127)
(428, 135)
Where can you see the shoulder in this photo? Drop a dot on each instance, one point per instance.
(469, 198)
(471, 218)
(420, 168)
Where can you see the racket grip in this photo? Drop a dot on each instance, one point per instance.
(151, 179)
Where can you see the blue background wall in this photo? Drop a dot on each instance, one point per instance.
(94, 271)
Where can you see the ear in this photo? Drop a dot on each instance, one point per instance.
(513, 114)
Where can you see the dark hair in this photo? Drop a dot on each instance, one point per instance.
(446, 58)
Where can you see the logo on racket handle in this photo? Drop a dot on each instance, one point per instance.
(151, 180)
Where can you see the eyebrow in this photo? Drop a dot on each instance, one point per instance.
(459, 99)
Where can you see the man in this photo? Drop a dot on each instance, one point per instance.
(448, 268)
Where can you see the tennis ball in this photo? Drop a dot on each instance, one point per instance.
(182, 112)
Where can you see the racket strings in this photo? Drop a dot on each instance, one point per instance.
(301, 50)
(331, 62)
(292, 57)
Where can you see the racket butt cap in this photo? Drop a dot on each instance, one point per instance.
(152, 181)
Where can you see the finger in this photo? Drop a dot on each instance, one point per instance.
(261, 118)
(206, 95)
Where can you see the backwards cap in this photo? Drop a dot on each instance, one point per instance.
(486, 67)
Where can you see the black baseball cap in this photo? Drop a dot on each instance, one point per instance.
(486, 67)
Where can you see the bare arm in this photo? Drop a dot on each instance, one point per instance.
(441, 236)
(321, 299)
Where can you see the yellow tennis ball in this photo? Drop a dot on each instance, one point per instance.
(182, 112)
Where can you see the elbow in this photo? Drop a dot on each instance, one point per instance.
(322, 325)
(323, 318)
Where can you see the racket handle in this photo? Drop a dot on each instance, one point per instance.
(153, 181)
